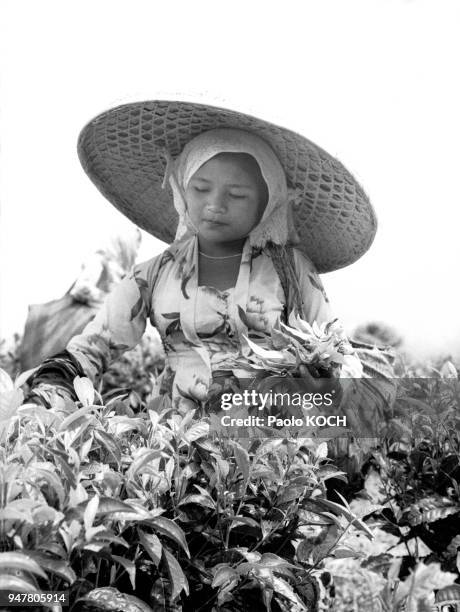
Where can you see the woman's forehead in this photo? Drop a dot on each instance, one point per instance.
(241, 166)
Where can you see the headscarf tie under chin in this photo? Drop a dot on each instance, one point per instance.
(276, 225)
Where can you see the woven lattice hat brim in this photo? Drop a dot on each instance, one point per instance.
(122, 151)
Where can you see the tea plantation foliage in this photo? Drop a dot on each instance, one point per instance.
(131, 505)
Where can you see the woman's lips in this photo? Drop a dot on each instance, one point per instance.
(213, 222)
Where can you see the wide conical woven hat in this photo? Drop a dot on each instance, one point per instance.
(123, 152)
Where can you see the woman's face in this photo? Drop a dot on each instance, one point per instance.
(226, 197)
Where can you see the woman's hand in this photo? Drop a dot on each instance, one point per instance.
(298, 395)
(43, 393)
(323, 384)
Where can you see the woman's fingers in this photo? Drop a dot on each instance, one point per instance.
(319, 385)
(303, 370)
(309, 381)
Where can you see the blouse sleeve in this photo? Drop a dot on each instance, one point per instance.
(370, 389)
(316, 305)
(317, 308)
(117, 327)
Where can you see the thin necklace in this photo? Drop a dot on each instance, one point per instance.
(225, 256)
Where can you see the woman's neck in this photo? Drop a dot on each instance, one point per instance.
(220, 249)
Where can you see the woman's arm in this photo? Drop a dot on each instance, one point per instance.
(316, 307)
(370, 390)
(117, 327)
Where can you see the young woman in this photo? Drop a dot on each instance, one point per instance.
(260, 210)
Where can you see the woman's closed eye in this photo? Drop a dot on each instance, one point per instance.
(238, 196)
(234, 196)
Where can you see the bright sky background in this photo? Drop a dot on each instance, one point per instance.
(375, 82)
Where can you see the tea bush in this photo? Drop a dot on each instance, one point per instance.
(131, 505)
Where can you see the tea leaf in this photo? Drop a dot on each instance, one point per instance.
(201, 500)
(242, 459)
(84, 390)
(205, 493)
(61, 459)
(285, 589)
(424, 579)
(52, 479)
(129, 566)
(345, 553)
(168, 528)
(196, 431)
(110, 598)
(337, 508)
(178, 580)
(6, 384)
(14, 513)
(56, 566)
(86, 447)
(290, 493)
(109, 443)
(244, 520)
(67, 422)
(9, 404)
(223, 468)
(321, 451)
(169, 470)
(207, 445)
(107, 505)
(272, 560)
(90, 512)
(16, 585)
(152, 545)
(243, 317)
(146, 456)
(252, 557)
(18, 560)
(224, 574)
(103, 535)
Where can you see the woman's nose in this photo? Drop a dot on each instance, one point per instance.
(216, 202)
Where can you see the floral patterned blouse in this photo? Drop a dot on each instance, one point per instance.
(201, 327)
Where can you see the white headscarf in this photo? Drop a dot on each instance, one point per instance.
(275, 225)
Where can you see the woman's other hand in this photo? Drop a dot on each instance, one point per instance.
(320, 384)
(43, 394)
(299, 395)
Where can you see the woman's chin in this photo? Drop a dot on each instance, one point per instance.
(221, 248)
(216, 234)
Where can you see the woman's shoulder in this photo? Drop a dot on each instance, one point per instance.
(172, 253)
(146, 273)
(157, 261)
(285, 258)
(292, 253)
